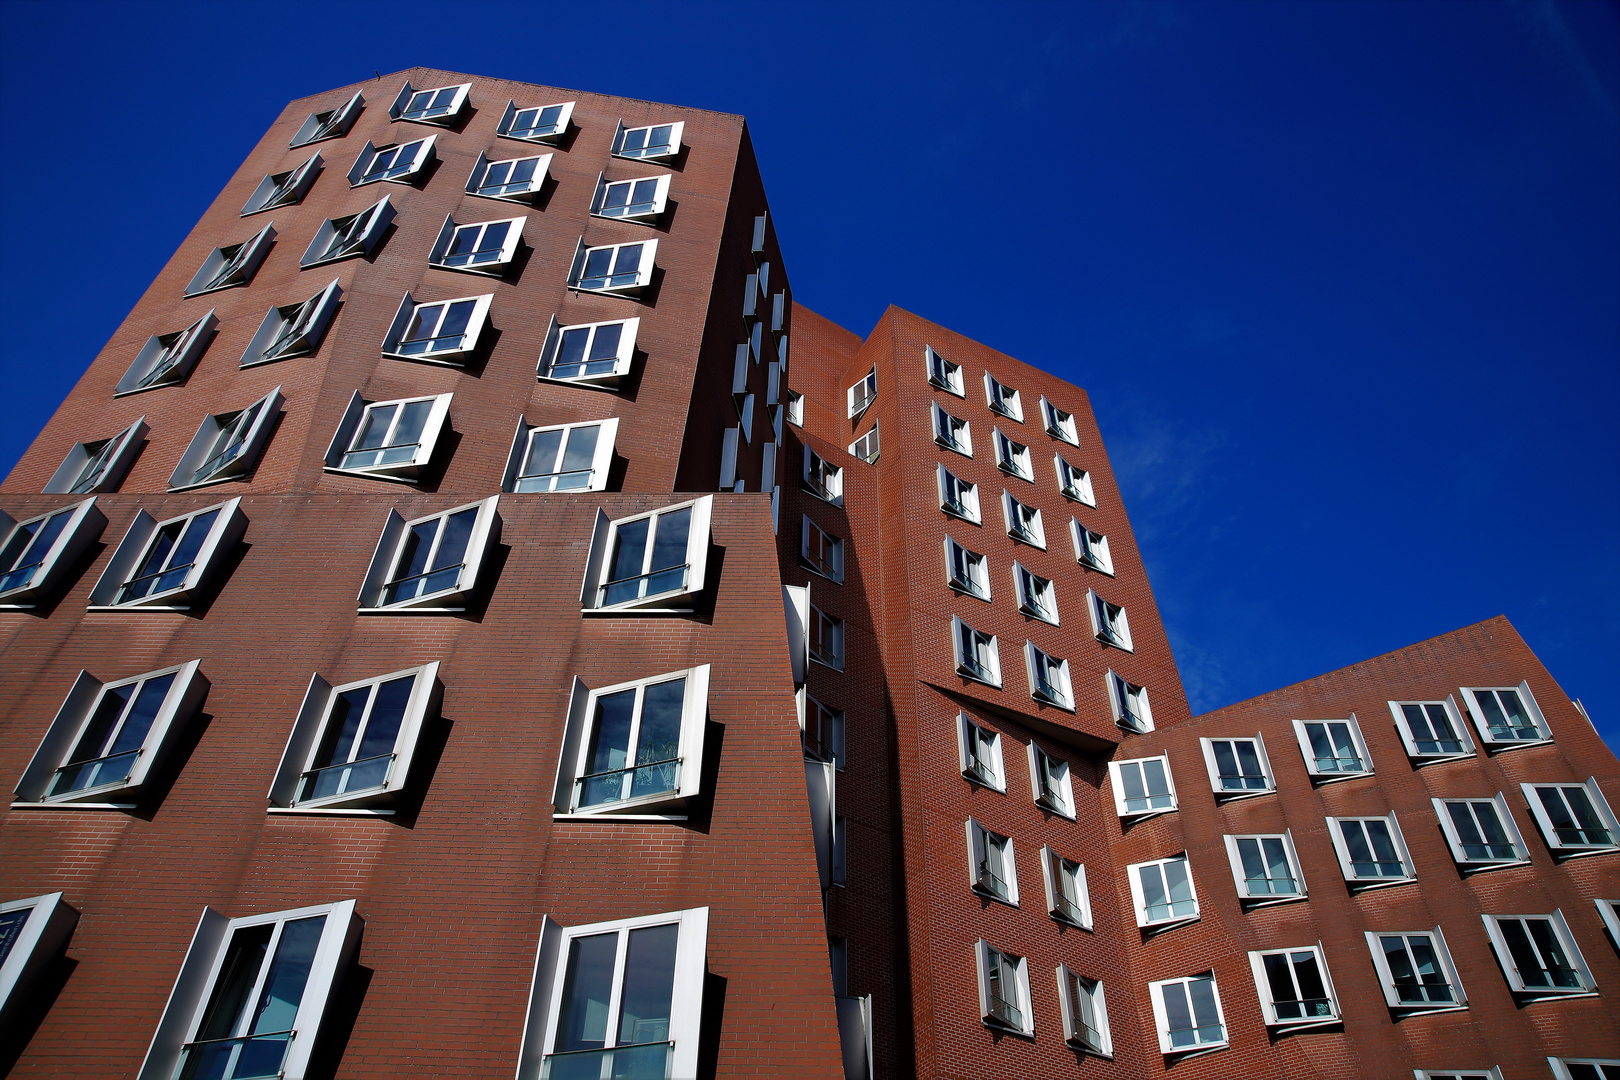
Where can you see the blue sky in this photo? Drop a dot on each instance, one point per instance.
(1342, 279)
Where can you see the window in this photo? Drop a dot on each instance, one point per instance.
(1091, 548)
(821, 551)
(98, 465)
(658, 142)
(822, 731)
(862, 394)
(1143, 787)
(33, 933)
(1085, 1014)
(294, 330)
(631, 200)
(36, 554)
(1294, 986)
(795, 410)
(654, 562)
(107, 738)
(1238, 768)
(1574, 819)
(166, 359)
(233, 264)
(1265, 869)
(826, 639)
(1002, 398)
(1371, 851)
(1012, 457)
(441, 105)
(251, 993)
(1609, 911)
(991, 870)
(1506, 716)
(388, 440)
(1004, 990)
(866, 447)
(1582, 1069)
(957, 497)
(227, 445)
(1188, 1014)
(1163, 893)
(1493, 1073)
(979, 750)
(164, 566)
(351, 746)
(515, 179)
(485, 247)
(1048, 677)
(966, 571)
(1481, 833)
(543, 124)
(635, 747)
(1108, 622)
(823, 479)
(616, 269)
(442, 331)
(951, 432)
(1023, 521)
(1432, 730)
(1539, 955)
(570, 457)
(332, 124)
(346, 237)
(620, 998)
(1067, 898)
(1333, 749)
(1059, 424)
(1416, 971)
(1130, 704)
(1074, 482)
(399, 163)
(1049, 778)
(1037, 596)
(977, 655)
(596, 354)
(942, 373)
(430, 564)
(283, 189)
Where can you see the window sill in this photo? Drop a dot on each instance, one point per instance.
(1471, 868)
(1249, 903)
(609, 382)
(138, 608)
(1492, 749)
(1112, 643)
(978, 781)
(210, 482)
(1323, 779)
(1053, 702)
(1565, 854)
(599, 816)
(1361, 885)
(953, 448)
(985, 894)
(1420, 760)
(961, 517)
(1424, 1008)
(1076, 497)
(1222, 796)
(143, 389)
(948, 389)
(997, 1025)
(1053, 808)
(73, 806)
(623, 292)
(451, 358)
(1016, 474)
(1154, 928)
(369, 475)
(327, 811)
(972, 678)
(804, 564)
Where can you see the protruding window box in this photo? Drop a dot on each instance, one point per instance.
(515, 179)
(430, 565)
(349, 236)
(283, 189)
(166, 359)
(165, 565)
(589, 354)
(656, 142)
(613, 269)
(234, 264)
(437, 331)
(227, 445)
(33, 933)
(1296, 991)
(295, 330)
(332, 124)
(388, 440)
(538, 124)
(396, 163)
(441, 105)
(98, 465)
(640, 200)
(485, 247)
(652, 563)
(38, 553)
(569, 457)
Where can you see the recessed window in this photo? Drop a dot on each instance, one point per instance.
(1004, 990)
(942, 373)
(430, 564)
(616, 269)
(977, 655)
(656, 142)
(821, 551)
(1506, 716)
(164, 565)
(966, 571)
(1037, 596)
(957, 497)
(1142, 787)
(1579, 1069)
(514, 179)
(1574, 819)
(569, 457)
(1432, 730)
(352, 745)
(822, 478)
(596, 354)
(398, 163)
(979, 750)
(484, 247)
(1108, 622)
(1481, 833)
(1067, 898)
(822, 731)
(1023, 521)
(1163, 893)
(631, 200)
(1295, 989)
(283, 189)
(1129, 701)
(951, 432)
(331, 124)
(1049, 779)
(388, 440)
(1265, 868)
(1372, 852)
(635, 747)
(1074, 482)
(227, 445)
(1187, 1013)
(295, 330)
(234, 264)
(991, 869)
(1333, 749)
(1059, 424)
(866, 447)
(1091, 548)
(166, 359)
(1415, 970)
(541, 123)
(1048, 677)
(826, 642)
(1238, 767)
(37, 553)
(1539, 956)
(33, 933)
(441, 331)
(441, 105)
(349, 236)
(1002, 398)
(1085, 1013)
(1012, 457)
(860, 396)
(107, 738)
(655, 562)
(795, 408)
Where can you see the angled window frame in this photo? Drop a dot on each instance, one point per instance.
(1090, 548)
(404, 470)
(293, 330)
(868, 446)
(1466, 863)
(1055, 869)
(1266, 991)
(1557, 845)
(1601, 1067)
(37, 553)
(969, 667)
(1532, 712)
(982, 878)
(432, 113)
(508, 129)
(1144, 919)
(349, 236)
(1012, 457)
(1347, 864)
(1079, 996)
(523, 190)
(166, 359)
(966, 506)
(793, 407)
(947, 427)
(966, 571)
(443, 594)
(1441, 958)
(335, 125)
(226, 271)
(283, 189)
(1036, 595)
(1161, 1020)
(1313, 763)
(826, 563)
(678, 597)
(498, 265)
(207, 553)
(1247, 895)
(1133, 711)
(1002, 399)
(1154, 802)
(640, 212)
(514, 479)
(1564, 941)
(1024, 529)
(1109, 623)
(859, 397)
(826, 639)
(248, 430)
(1050, 781)
(995, 1011)
(1059, 424)
(1055, 689)
(98, 465)
(1217, 778)
(665, 151)
(454, 355)
(1453, 716)
(942, 373)
(1074, 483)
(402, 168)
(1609, 912)
(617, 366)
(821, 478)
(824, 740)
(646, 263)
(978, 754)
(46, 923)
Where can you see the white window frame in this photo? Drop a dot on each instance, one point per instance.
(829, 748)
(39, 940)
(1453, 716)
(166, 359)
(980, 838)
(601, 457)
(671, 150)
(1466, 863)
(1037, 596)
(968, 510)
(408, 173)
(1059, 424)
(454, 597)
(359, 234)
(1012, 457)
(315, 716)
(1074, 483)
(1117, 782)
(1031, 530)
(251, 437)
(942, 373)
(293, 330)
(1313, 764)
(1069, 985)
(659, 806)
(98, 465)
(1128, 699)
(1560, 1066)
(621, 358)
(1346, 865)
(1225, 794)
(794, 402)
(443, 117)
(1009, 405)
(1109, 624)
(1090, 548)
(1566, 941)
(334, 956)
(832, 568)
(649, 216)
(678, 599)
(509, 191)
(1609, 912)
(283, 189)
(1161, 1020)
(987, 955)
(632, 289)
(970, 668)
(1139, 899)
(976, 583)
(226, 529)
(1533, 711)
(455, 356)
(51, 557)
(1560, 849)
(498, 266)
(821, 477)
(993, 774)
(946, 427)
(860, 396)
(559, 129)
(221, 271)
(1386, 977)
(867, 447)
(335, 125)
(1240, 879)
(1057, 691)
(404, 471)
(1060, 798)
(831, 631)
(1268, 1004)
(1054, 869)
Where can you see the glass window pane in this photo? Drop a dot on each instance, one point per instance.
(582, 1023)
(649, 985)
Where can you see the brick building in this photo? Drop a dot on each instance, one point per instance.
(445, 635)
